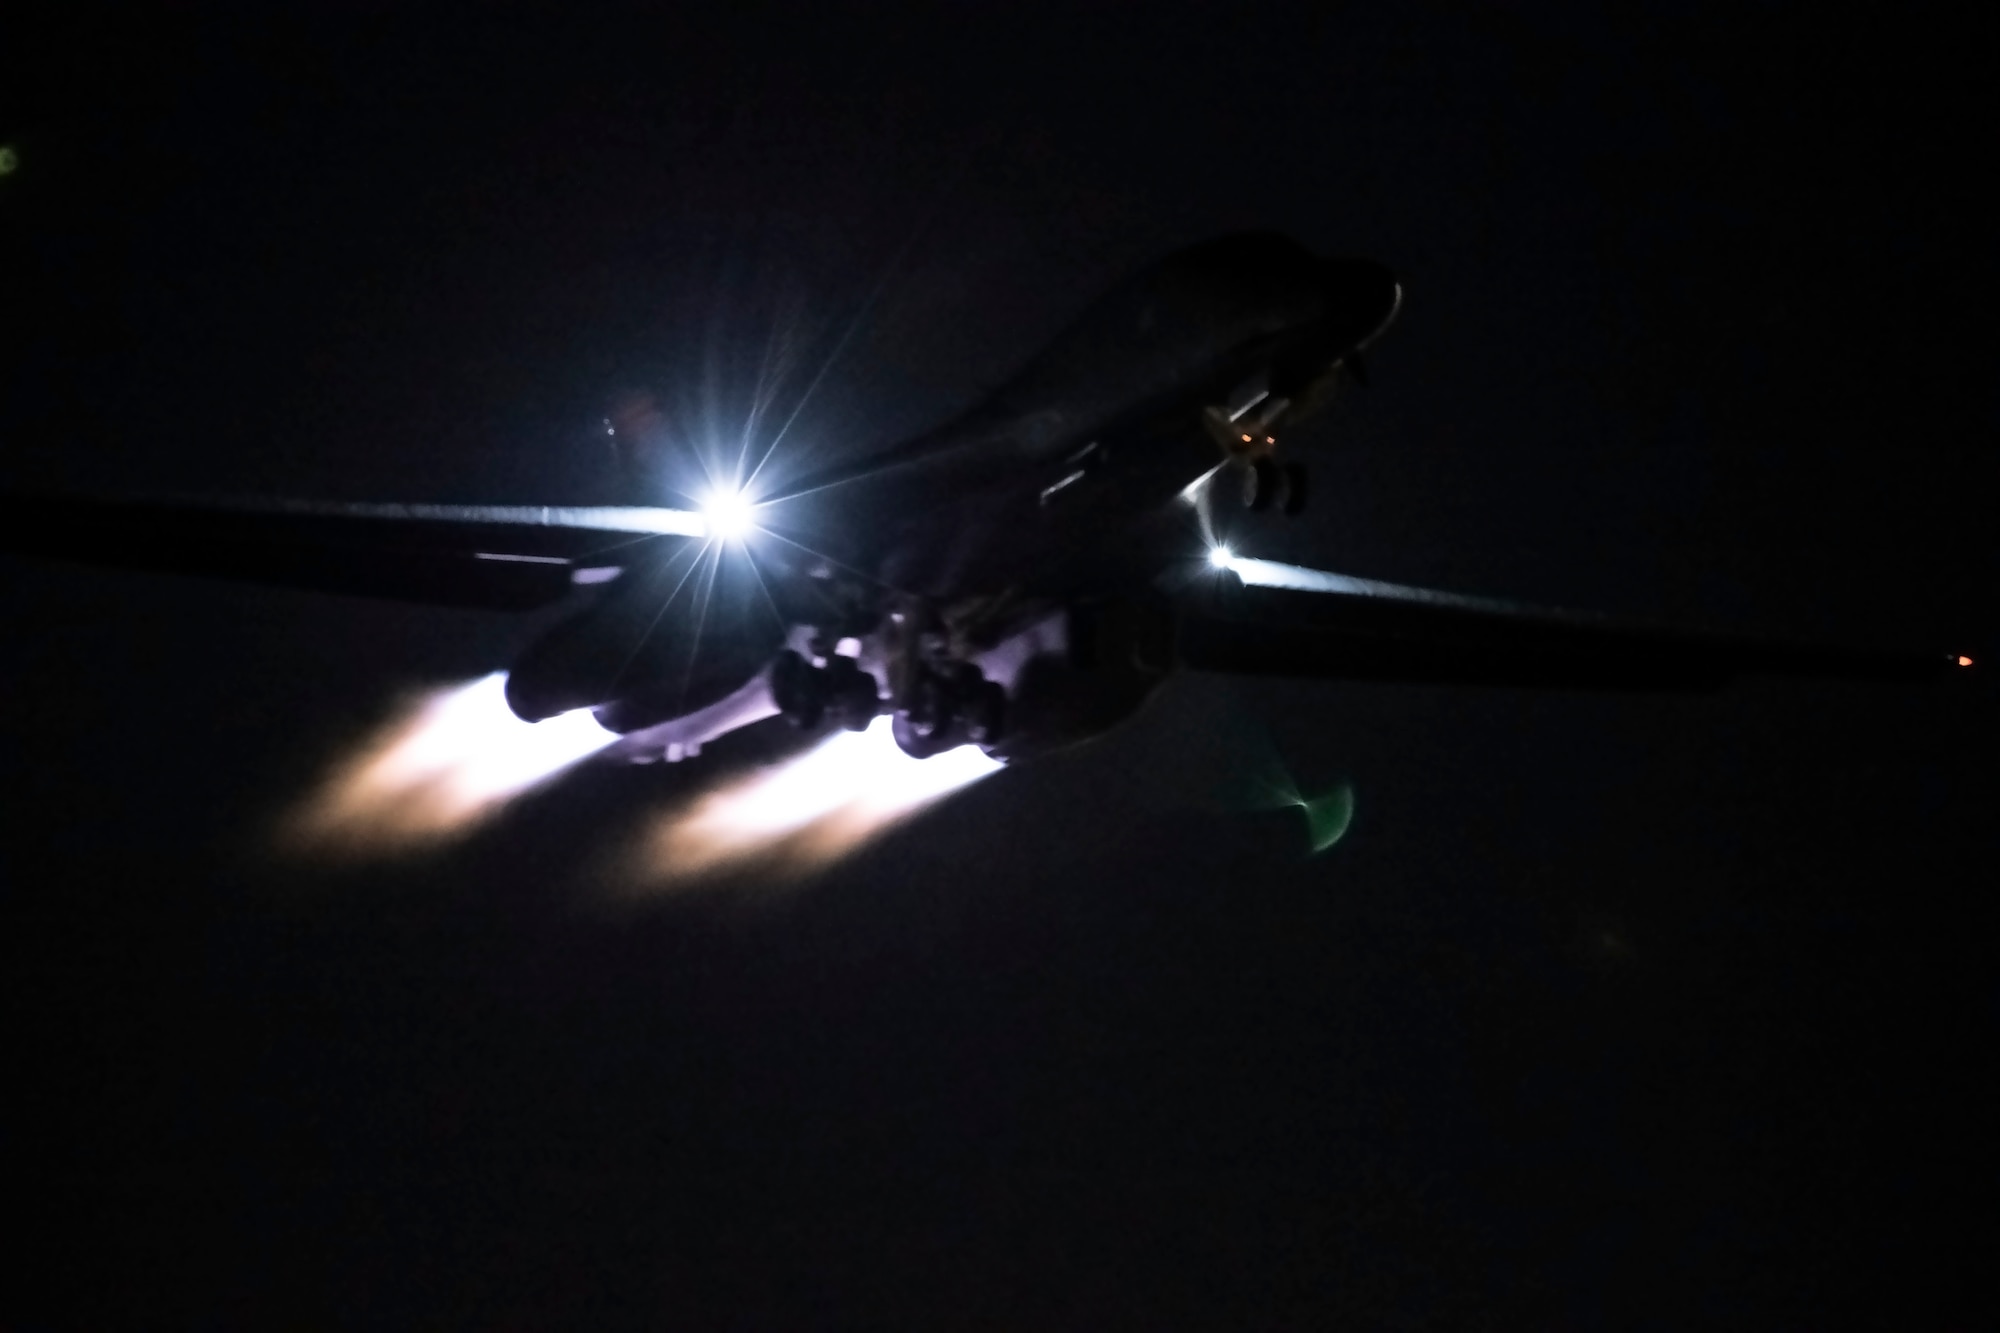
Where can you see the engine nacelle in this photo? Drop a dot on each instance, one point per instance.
(650, 643)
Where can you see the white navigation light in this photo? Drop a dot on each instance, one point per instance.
(1221, 557)
(728, 515)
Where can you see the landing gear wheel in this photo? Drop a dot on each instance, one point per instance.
(910, 743)
(851, 694)
(799, 690)
(931, 708)
(1262, 480)
(924, 728)
(985, 712)
(1295, 488)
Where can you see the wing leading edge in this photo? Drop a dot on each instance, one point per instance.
(490, 557)
(1277, 619)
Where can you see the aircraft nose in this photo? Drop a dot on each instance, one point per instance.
(1362, 295)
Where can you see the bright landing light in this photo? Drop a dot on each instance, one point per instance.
(804, 813)
(728, 515)
(1221, 557)
(445, 763)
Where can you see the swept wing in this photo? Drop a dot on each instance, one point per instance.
(1261, 617)
(497, 557)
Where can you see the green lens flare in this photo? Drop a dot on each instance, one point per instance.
(1254, 776)
(9, 159)
(1328, 816)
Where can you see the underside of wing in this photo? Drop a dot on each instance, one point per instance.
(495, 557)
(1286, 620)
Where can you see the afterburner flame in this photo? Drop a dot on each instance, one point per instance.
(805, 812)
(443, 765)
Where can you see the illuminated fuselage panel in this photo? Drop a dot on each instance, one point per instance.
(1193, 325)
(1055, 475)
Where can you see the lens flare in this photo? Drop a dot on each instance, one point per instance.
(1328, 817)
(804, 813)
(443, 765)
(728, 515)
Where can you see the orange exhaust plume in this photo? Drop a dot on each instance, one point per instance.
(438, 769)
(801, 814)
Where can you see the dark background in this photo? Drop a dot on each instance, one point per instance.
(1608, 1012)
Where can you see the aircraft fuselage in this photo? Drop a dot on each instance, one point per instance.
(1061, 487)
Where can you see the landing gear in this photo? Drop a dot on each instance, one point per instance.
(1266, 483)
(1295, 489)
(806, 694)
(949, 708)
(985, 712)
(851, 694)
(799, 689)
(923, 727)
(1262, 480)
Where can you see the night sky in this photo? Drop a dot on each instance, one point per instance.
(1608, 1012)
